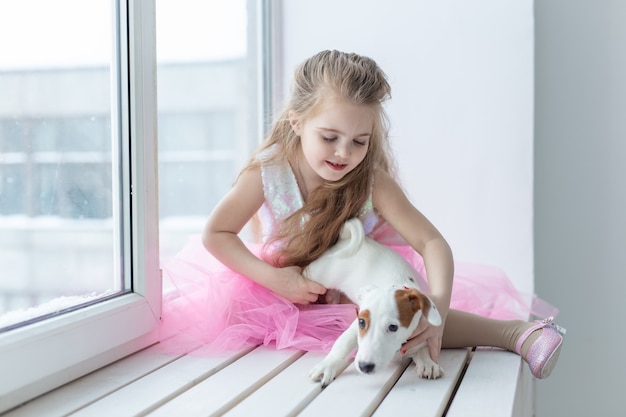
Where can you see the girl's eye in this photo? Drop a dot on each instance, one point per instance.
(360, 143)
(329, 139)
(393, 327)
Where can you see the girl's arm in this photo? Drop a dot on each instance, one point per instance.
(220, 237)
(393, 205)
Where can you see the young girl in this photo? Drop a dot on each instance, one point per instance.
(327, 160)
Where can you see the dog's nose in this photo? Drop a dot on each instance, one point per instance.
(366, 367)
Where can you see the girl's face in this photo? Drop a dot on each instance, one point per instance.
(334, 140)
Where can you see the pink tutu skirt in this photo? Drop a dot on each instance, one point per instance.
(208, 305)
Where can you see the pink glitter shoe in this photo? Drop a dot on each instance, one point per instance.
(544, 352)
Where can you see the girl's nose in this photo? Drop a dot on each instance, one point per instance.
(342, 149)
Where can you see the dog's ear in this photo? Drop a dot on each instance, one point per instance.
(420, 301)
(363, 291)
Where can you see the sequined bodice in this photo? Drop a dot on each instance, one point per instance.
(283, 196)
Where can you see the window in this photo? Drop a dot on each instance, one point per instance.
(78, 190)
(207, 83)
(57, 170)
(79, 279)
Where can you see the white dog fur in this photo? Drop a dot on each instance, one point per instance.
(391, 305)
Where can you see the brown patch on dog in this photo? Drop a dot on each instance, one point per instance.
(409, 302)
(365, 317)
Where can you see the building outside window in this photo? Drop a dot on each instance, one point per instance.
(56, 192)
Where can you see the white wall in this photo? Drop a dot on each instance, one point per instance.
(462, 78)
(580, 194)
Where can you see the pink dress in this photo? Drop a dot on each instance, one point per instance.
(206, 304)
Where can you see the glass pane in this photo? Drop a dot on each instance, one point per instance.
(206, 102)
(58, 176)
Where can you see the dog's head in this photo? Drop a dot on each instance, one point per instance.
(387, 317)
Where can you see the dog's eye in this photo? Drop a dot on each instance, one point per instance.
(362, 323)
(392, 327)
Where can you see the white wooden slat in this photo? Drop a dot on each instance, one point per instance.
(355, 394)
(489, 385)
(266, 382)
(284, 395)
(430, 397)
(160, 386)
(90, 388)
(525, 394)
(226, 388)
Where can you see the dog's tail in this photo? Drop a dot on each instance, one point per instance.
(353, 233)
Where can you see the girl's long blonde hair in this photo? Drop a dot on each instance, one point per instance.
(351, 77)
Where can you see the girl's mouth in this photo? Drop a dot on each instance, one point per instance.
(336, 167)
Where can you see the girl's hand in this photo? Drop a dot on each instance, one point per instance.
(429, 333)
(290, 284)
(426, 332)
(332, 296)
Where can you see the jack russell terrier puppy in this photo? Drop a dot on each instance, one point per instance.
(390, 305)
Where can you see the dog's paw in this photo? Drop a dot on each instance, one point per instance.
(426, 367)
(325, 371)
(430, 370)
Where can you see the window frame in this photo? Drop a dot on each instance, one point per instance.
(44, 355)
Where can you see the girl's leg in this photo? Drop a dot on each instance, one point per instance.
(540, 341)
(469, 330)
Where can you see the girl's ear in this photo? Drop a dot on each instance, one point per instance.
(294, 121)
